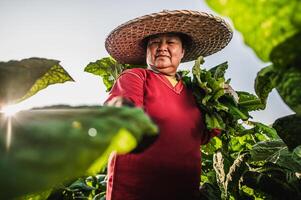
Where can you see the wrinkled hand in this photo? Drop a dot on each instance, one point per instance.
(120, 101)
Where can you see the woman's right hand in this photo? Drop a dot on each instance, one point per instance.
(120, 101)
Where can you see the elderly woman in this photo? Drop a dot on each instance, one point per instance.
(169, 168)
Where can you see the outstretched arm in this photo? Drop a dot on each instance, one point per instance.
(127, 90)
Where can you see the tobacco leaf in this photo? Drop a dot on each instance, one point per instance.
(21, 79)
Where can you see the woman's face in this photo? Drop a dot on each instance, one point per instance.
(164, 53)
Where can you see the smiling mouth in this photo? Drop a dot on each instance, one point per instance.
(162, 56)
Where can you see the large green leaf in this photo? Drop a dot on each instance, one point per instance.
(289, 130)
(287, 54)
(286, 81)
(289, 88)
(287, 61)
(273, 31)
(52, 145)
(107, 68)
(248, 101)
(264, 83)
(22, 79)
(264, 24)
(297, 154)
(276, 152)
(210, 192)
(274, 184)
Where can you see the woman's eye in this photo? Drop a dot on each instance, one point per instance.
(154, 42)
(171, 41)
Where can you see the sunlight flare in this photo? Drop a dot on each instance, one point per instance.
(10, 110)
(8, 133)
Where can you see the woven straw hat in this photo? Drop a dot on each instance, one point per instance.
(208, 34)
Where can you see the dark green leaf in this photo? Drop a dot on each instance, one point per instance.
(219, 70)
(264, 129)
(289, 129)
(276, 152)
(210, 192)
(289, 88)
(214, 121)
(80, 185)
(248, 101)
(296, 155)
(236, 112)
(22, 79)
(265, 82)
(287, 54)
(276, 188)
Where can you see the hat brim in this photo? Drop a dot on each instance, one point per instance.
(208, 34)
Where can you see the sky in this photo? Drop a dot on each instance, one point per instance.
(74, 32)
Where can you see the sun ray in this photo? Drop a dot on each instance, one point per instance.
(8, 132)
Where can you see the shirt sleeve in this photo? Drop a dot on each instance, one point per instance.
(129, 85)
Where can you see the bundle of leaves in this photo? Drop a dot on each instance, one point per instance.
(224, 108)
(91, 187)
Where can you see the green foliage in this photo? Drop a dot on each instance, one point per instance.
(276, 35)
(21, 79)
(289, 88)
(221, 104)
(264, 24)
(83, 188)
(272, 184)
(277, 175)
(230, 181)
(296, 154)
(249, 101)
(109, 69)
(275, 151)
(229, 154)
(287, 54)
(210, 191)
(289, 129)
(265, 81)
(286, 81)
(273, 31)
(56, 144)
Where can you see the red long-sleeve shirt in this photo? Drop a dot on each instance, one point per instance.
(170, 168)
